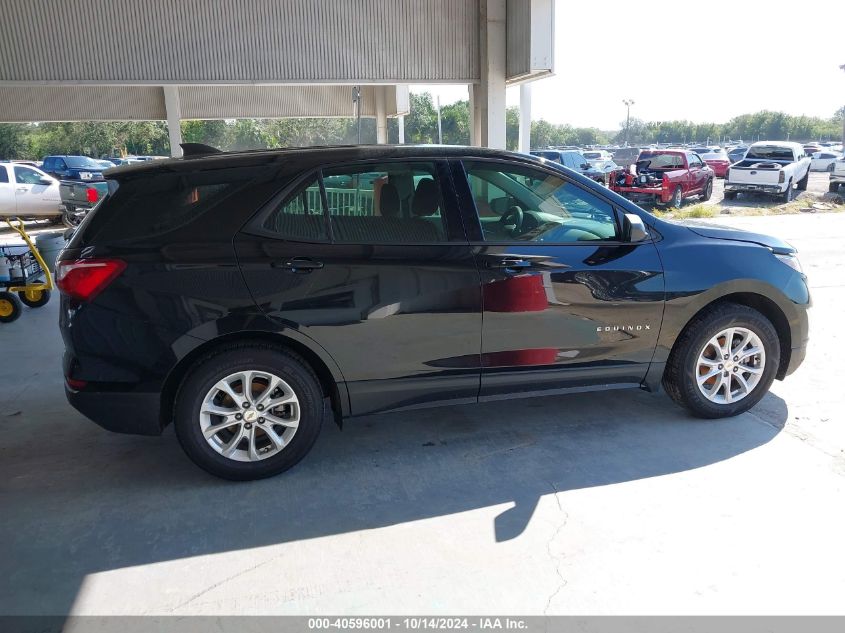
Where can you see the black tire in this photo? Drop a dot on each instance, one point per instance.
(241, 357)
(830, 167)
(69, 217)
(786, 196)
(833, 187)
(802, 184)
(677, 198)
(730, 195)
(36, 299)
(708, 190)
(10, 307)
(680, 375)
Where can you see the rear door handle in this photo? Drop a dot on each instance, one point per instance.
(508, 262)
(299, 265)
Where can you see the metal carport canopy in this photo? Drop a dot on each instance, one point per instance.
(101, 59)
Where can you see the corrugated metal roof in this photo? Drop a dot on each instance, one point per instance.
(128, 103)
(240, 41)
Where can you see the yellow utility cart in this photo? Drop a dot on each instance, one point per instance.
(24, 277)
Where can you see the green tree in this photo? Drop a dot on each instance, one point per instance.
(13, 140)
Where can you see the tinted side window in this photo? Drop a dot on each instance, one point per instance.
(4, 175)
(27, 176)
(387, 203)
(162, 202)
(301, 216)
(517, 203)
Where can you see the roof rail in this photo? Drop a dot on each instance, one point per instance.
(197, 149)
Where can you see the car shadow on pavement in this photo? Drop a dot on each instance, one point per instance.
(78, 500)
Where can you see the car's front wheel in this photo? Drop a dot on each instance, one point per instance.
(248, 411)
(724, 361)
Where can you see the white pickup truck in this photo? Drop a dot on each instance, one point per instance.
(837, 176)
(770, 167)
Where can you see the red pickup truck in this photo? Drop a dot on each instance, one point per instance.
(665, 178)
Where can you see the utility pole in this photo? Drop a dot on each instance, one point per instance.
(628, 103)
(439, 124)
(356, 99)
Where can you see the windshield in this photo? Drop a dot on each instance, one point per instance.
(548, 155)
(82, 162)
(592, 155)
(770, 152)
(655, 160)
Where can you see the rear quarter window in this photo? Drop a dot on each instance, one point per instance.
(159, 203)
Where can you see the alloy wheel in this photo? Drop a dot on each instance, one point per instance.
(730, 365)
(249, 416)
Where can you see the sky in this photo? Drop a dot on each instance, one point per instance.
(703, 61)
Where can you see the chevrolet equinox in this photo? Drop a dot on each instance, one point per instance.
(245, 296)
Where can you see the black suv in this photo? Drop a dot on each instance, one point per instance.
(241, 296)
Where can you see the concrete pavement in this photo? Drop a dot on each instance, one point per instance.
(612, 503)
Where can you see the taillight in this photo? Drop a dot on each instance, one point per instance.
(728, 173)
(92, 195)
(781, 177)
(665, 181)
(84, 279)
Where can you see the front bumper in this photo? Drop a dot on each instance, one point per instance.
(748, 188)
(796, 358)
(118, 411)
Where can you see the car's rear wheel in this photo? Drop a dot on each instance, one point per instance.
(248, 412)
(708, 190)
(724, 361)
(833, 187)
(830, 167)
(786, 196)
(677, 198)
(730, 195)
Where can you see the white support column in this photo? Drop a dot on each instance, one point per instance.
(476, 99)
(174, 114)
(525, 117)
(487, 98)
(381, 115)
(401, 129)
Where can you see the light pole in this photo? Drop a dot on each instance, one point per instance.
(628, 103)
(842, 67)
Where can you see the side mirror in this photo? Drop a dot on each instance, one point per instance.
(45, 181)
(635, 228)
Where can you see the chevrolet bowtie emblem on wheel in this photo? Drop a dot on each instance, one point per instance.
(622, 328)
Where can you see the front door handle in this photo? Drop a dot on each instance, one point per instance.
(299, 265)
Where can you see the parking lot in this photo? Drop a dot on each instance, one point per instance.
(612, 503)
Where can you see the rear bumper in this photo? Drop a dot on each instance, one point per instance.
(749, 188)
(643, 194)
(121, 412)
